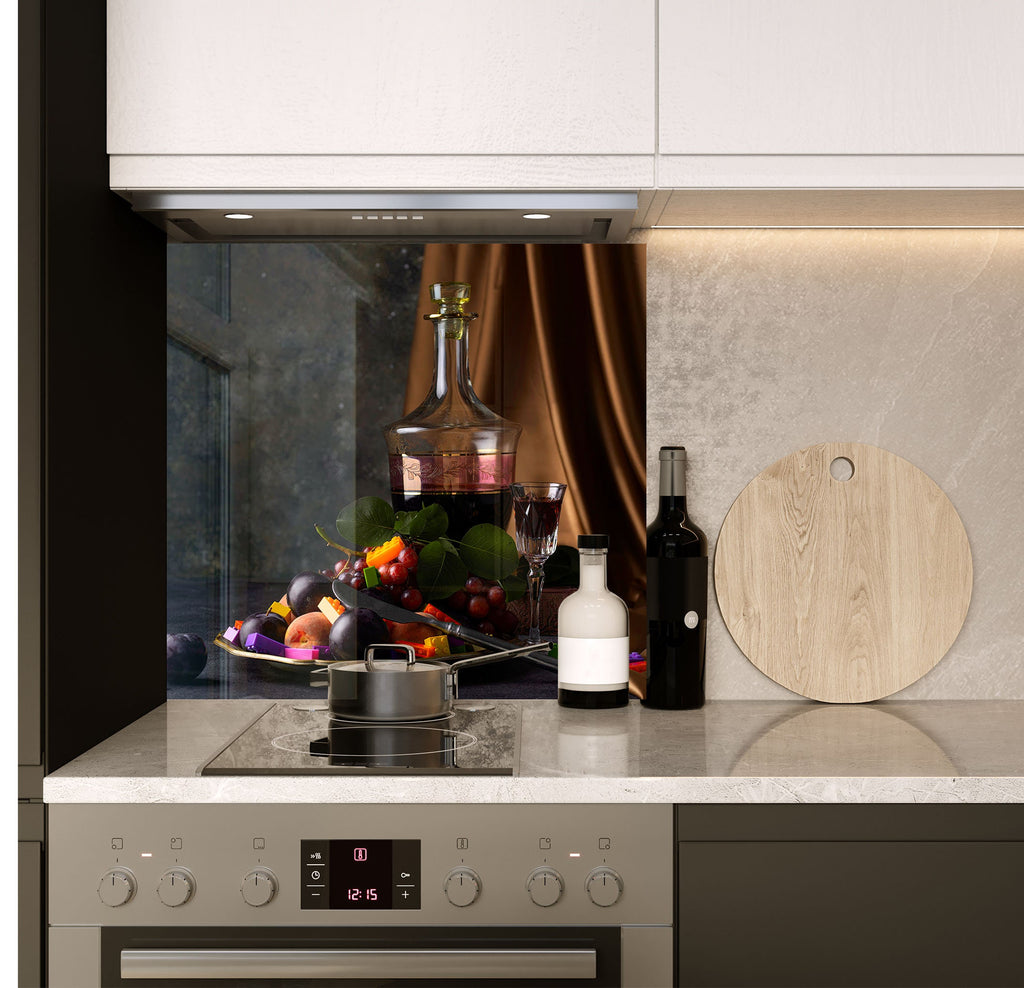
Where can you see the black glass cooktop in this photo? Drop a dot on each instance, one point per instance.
(299, 738)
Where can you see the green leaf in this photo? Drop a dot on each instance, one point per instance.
(440, 572)
(489, 552)
(403, 522)
(367, 521)
(514, 586)
(430, 523)
(425, 525)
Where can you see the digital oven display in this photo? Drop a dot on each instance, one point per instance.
(360, 874)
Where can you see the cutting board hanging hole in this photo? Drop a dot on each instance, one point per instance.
(841, 468)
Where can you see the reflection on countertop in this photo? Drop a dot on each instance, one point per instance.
(760, 739)
(729, 751)
(843, 740)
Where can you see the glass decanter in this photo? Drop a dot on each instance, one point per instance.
(452, 449)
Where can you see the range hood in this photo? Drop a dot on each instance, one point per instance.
(393, 217)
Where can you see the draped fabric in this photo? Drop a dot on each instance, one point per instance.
(560, 347)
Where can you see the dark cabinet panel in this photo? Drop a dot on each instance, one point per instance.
(101, 331)
(815, 911)
(30, 913)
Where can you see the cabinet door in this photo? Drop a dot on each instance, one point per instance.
(802, 77)
(850, 913)
(391, 77)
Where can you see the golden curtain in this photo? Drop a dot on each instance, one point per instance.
(560, 347)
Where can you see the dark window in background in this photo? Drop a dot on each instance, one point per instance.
(283, 363)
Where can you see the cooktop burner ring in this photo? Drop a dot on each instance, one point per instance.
(279, 743)
(432, 740)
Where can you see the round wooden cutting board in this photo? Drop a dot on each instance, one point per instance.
(843, 590)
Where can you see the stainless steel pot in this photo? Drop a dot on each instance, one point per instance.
(395, 690)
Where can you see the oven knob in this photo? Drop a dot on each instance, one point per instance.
(462, 886)
(117, 887)
(176, 887)
(545, 886)
(604, 887)
(259, 886)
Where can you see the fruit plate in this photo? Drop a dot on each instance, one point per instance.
(278, 660)
(221, 642)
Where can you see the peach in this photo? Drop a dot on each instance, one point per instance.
(308, 631)
(414, 631)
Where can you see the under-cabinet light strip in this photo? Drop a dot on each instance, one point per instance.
(834, 226)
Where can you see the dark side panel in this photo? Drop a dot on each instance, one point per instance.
(102, 404)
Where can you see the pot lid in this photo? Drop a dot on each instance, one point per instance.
(388, 666)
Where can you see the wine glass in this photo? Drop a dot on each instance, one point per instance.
(537, 507)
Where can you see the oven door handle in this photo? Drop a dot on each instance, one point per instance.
(448, 965)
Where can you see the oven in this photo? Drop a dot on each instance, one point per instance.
(370, 894)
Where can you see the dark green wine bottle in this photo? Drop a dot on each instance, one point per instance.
(677, 595)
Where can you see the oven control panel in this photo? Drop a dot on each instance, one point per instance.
(241, 864)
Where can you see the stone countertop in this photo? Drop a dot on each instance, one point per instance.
(968, 751)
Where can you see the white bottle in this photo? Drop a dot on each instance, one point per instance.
(593, 636)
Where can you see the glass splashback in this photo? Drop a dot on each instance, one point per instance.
(285, 362)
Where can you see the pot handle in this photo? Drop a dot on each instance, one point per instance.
(482, 660)
(368, 660)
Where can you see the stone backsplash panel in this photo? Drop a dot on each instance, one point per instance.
(762, 342)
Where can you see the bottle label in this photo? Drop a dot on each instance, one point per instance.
(677, 589)
(593, 664)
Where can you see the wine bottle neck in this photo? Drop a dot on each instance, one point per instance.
(672, 504)
(672, 481)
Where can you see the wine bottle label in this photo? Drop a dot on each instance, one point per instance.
(591, 664)
(677, 589)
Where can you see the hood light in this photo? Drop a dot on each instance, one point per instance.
(238, 216)
(536, 216)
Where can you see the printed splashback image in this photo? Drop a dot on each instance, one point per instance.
(301, 380)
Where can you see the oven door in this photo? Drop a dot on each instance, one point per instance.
(399, 956)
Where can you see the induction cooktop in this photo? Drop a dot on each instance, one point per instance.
(479, 737)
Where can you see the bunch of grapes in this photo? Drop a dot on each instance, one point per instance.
(481, 604)
(397, 578)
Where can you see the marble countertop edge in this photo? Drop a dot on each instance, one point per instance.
(534, 789)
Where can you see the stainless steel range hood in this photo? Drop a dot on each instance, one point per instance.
(394, 217)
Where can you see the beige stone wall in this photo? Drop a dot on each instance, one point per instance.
(761, 342)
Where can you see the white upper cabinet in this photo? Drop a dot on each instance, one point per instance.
(865, 78)
(831, 77)
(382, 78)
(566, 94)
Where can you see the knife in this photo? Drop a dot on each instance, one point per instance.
(351, 597)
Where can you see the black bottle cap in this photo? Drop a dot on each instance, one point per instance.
(591, 541)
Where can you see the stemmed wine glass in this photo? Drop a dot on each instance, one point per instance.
(537, 507)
